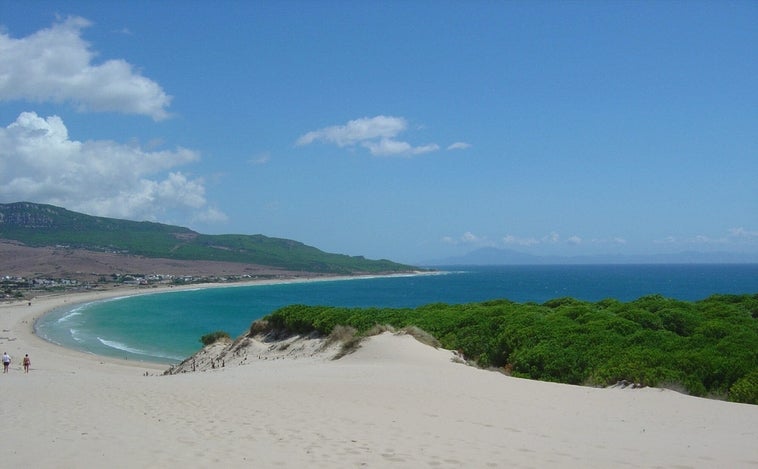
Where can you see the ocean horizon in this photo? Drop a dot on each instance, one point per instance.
(166, 327)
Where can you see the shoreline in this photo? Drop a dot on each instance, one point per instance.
(79, 298)
(393, 402)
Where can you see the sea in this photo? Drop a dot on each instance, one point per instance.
(166, 327)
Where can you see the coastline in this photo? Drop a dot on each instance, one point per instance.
(394, 402)
(79, 298)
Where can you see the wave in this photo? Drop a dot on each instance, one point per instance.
(119, 346)
(71, 314)
(125, 348)
(108, 300)
(76, 335)
(78, 310)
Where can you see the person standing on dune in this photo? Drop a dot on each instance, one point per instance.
(6, 362)
(27, 363)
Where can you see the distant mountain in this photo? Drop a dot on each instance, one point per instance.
(39, 225)
(495, 256)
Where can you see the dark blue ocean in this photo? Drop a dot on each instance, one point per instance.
(166, 327)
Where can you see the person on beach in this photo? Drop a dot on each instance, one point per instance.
(6, 362)
(27, 363)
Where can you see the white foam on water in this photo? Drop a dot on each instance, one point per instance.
(119, 346)
(125, 348)
(76, 335)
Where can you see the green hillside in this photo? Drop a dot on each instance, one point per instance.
(46, 225)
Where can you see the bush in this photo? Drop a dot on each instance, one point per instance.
(214, 337)
(347, 336)
(708, 347)
(259, 326)
(422, 336)
(379, 329)
(342, 334)
(745, 389)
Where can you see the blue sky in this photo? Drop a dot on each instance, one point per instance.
(408, 130)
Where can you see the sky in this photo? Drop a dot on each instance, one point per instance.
(403, 130)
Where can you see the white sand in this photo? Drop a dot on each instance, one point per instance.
(393, 403)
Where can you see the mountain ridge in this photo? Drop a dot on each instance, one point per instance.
(41, 225)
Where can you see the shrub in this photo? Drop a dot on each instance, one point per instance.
(745, 389)
(707, 347)
(342, 334)
(214, 337)
(259, 326)
(379, 329)
(422, 336)
(347, 336)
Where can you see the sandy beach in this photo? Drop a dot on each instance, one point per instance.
(393, 403)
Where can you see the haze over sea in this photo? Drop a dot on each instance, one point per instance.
(166, 327)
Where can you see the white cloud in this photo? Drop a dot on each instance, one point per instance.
(742, 233)
(377, 134)
(209, 215)
(356, 131)
(55, 65)
(734, 237)
(703, 239)
(125, 31)
(530, 242)
(616, 240)
(388, 146)
(511, 240)
(261, 158)
(469, 239)
(459, 146)
(40, 163)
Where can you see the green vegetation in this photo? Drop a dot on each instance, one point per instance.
(214, 337)
(745, 389)
(709, 347)
(46, 225)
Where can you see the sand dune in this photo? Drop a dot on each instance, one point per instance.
(392, 403)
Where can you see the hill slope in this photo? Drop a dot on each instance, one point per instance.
(39, 225)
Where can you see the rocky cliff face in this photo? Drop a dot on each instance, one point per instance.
(27, 215)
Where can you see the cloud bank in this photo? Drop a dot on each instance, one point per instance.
(56, 65)
(733, 236)
(40, 163)
(377, 134)
(473, 240)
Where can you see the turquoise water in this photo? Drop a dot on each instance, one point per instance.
(166, 327)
